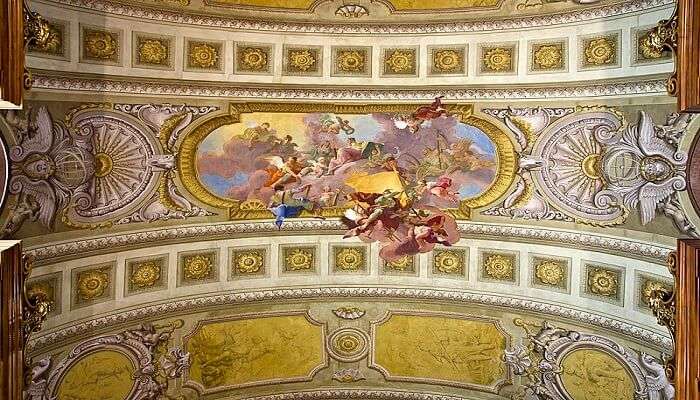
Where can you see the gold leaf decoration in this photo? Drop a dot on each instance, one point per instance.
(351, 60)
(202, 55)
(498, 266)
(448, 262)
(601, 51)
(649, 286)
(498, 59)
(198, 267)
(603, 282)
(54, 43)
(301, 60)
(550, 272)
(403, 264)
(153, 51)
(92, 284)
(448, 60)
(349, 259)
(298, 259)
(400, 61)
(549, 56)
(254, 59)
(249, 261)
(100, 45)
(145, 274)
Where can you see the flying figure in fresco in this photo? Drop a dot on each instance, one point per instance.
(422, 114)
(289, 203)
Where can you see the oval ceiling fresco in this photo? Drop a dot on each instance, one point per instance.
(390, 172)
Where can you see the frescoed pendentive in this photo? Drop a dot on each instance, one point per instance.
(398, 176)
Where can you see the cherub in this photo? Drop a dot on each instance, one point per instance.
(440, 188)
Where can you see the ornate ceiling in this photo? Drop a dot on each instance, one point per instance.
(406, 13)
(272, 200)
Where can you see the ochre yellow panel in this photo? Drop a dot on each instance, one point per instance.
(594, 375)
(240, 352)
(400, 5)
(103, 375)
(441, 348)
(417, 5)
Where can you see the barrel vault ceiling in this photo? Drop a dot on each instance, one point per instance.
(243, 199)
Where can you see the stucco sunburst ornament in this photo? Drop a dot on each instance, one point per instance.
(92, 284)
(302, 60)
(152, 51)
(603, 282)
(100, 44)
(203, 55)
(498, 59)
(351, 11)
(253, 59)
(145, 274)
(447, 61)
(497, 266)
(350, 61)
(600, 51)
(548, 57)
(401, 61)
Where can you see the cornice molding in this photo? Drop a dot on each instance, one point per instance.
(174, 307)
(115, 242)
(360, 394)
(645, 85)
(210, 21)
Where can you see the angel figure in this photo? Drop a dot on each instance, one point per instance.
(48, 166)
(659, 169)
(441, 189)
(281, 172)
(422, 114)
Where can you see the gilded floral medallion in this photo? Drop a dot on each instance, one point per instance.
(92, 285)
(253, 58)
(447, 60)
(405, 264)
(299, 259)
(203, 55)
(400, 61)
(498, 59)
(600, 51)
(351, 61)
(648, 286)
(550, 272)
(198, 267)
(248, 262)
(349, 259)
(145, 274)
(604, 283)
(498, 266)
(153, 51)
(100, 45)
(449, 262)
(549, 56)
(302, 60)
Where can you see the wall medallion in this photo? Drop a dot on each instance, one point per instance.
(348, 344)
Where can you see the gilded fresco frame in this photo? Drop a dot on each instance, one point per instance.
(252, 210)
(495, 388)
(191, 384)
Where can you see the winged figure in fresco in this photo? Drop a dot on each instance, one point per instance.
(645, 168)
(47, 166)
(422, 114)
